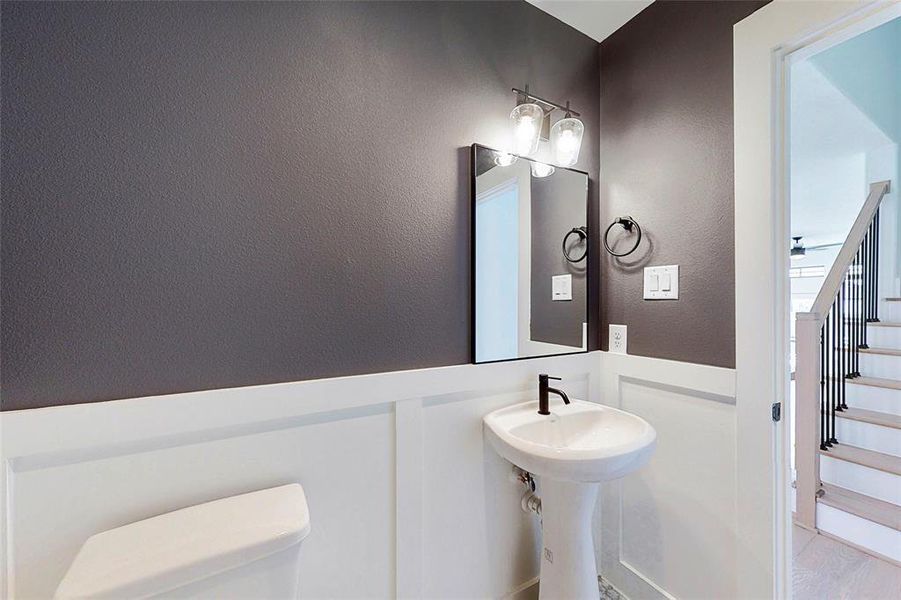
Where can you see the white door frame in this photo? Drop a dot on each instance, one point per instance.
(765, 43)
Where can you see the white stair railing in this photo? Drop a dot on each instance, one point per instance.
(826, 343)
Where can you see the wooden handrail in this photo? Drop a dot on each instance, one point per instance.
(845, 256)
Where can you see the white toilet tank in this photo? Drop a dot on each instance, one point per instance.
(243, 547)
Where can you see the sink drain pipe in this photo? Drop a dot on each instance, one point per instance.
(531, 502)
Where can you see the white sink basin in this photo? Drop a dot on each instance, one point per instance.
(581, 441)
(571, 450)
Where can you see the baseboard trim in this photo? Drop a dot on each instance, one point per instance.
(518, 591)
(859, 548)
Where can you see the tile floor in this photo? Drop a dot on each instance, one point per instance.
(608, 592)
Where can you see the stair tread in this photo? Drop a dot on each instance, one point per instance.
(893, 299)
(885, 324)
(871, 416)
(866, 507)
(865, 458)
(887, 351)
(892, 384)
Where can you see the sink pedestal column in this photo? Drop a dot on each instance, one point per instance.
(568, 567)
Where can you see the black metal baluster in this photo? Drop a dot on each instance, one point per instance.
(871, 305)
(864, 287)
(871, 271)
(864, 273)
(842, 342)
(835, 360)
(875, 316)
(830, 383)
(852, 323)
(857, 291)
(823, 387)
(848, 321)
(829, 378)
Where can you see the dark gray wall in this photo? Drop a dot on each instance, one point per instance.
(559, 203)
(205, 195)
(667, 160)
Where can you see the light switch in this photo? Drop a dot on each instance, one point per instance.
(561, 287)
(661, 283)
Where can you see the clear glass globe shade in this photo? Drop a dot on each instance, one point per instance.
(526, 123)
(541, 170)
(502, 159)
(566, 140)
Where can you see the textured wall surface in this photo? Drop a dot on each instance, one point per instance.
(667, 160)
(207, 195)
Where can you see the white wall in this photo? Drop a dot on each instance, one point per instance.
(883, 164)
(406, 497)
(827, 193)
(836, 152)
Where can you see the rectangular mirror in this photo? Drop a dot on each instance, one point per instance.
(530, 257)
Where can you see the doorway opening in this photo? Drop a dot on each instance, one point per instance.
(842, 130)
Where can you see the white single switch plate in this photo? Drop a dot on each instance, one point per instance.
(661, 283)
(618, 337)
(562, 287)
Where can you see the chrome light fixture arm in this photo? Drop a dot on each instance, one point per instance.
(525, 96)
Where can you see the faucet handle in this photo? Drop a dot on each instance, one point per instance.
(545, 377)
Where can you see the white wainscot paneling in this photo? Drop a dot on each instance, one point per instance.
(405, 498)
(669, 530)
(57, 502)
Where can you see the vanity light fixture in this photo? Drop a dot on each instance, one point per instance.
(566, 140)
(531, 122)
(503, 159)
(526, 119)
(798, 250)
(542, 169)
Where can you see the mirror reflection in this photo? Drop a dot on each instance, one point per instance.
(530, 257)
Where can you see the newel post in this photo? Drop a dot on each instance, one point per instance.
(807, 417)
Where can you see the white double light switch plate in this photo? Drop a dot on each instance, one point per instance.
(561, 287)
(661, 283)
(617, 339)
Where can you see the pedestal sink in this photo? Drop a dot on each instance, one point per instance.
(573, 449)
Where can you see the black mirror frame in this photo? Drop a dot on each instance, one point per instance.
(472, 257)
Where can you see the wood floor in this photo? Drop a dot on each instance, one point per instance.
(825, 569)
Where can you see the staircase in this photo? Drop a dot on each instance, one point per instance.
(861, 474)
(848, 425)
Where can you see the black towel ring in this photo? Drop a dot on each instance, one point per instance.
(582, 232)
(627, 223)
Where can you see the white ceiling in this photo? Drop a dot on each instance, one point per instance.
(595, 18)
(825, 122)
(831, 139)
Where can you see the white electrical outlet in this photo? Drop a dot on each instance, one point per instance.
(617, 341)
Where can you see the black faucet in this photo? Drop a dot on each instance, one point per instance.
(543, 390)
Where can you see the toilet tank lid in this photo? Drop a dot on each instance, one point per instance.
(173, 549)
